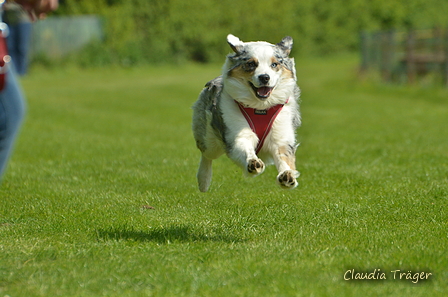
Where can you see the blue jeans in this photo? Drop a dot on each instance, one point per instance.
(18, 44)
(12, 111)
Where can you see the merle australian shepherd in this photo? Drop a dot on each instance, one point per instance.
(250, 112)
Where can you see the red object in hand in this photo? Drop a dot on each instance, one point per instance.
(4, 57)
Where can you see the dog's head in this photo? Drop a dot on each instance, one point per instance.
(259, 73)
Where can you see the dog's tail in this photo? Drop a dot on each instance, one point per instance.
(204, 174)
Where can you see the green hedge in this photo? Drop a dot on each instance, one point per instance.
(154, 31)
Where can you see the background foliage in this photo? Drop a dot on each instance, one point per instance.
(178, 30)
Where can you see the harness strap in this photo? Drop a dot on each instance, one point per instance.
(260, 121)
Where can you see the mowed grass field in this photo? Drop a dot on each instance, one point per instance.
(100, 198)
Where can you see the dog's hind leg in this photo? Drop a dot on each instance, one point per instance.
(204, 174)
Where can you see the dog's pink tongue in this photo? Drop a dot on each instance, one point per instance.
(264, 91)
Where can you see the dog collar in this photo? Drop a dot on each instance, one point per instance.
(260, 120)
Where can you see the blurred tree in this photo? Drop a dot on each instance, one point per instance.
(178, 30)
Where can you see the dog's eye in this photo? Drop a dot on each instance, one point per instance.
(251, 64)
(274, 65)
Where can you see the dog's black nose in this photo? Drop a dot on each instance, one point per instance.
(264, 78)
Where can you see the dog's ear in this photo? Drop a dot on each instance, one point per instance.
(235, 43)
(286, 44)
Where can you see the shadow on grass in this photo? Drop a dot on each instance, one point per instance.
(165, 235)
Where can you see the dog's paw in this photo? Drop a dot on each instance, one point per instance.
(255, 167)
(287, 179)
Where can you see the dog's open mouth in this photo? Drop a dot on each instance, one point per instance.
(261, 92)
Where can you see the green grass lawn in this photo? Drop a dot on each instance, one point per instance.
(100, 198)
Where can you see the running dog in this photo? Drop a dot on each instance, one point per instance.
(250, 112)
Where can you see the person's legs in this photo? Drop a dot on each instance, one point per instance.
(12, 111)
(23, 43)
(18, 44)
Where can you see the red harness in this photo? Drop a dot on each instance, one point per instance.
(260, 121)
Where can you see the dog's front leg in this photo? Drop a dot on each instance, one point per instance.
(284, 158)
(243, 153)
